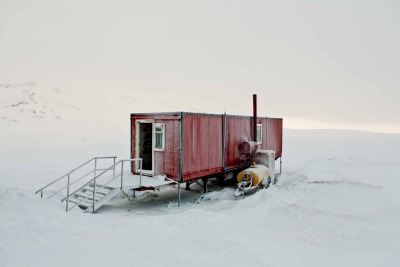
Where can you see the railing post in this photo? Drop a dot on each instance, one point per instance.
(122, 173)
(114, 169)
(94, 194)
(95, 166)
(140, 164)
(66, 205)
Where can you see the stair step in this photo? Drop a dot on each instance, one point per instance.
(79, 195)
(104, 200)
(103, 187)
(87, 204)
(98, 191)
(78, 201)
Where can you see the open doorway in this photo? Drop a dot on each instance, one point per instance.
(144, 145)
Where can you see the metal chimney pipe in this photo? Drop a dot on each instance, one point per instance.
(254, 117)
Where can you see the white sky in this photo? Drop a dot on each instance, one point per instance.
(318, 64)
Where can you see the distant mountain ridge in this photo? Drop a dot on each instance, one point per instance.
(32, 103)
(20, 102)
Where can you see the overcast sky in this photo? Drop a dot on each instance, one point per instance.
(318, 64)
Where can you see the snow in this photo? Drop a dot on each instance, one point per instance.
(336, 203)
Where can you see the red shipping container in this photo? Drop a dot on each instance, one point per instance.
(188, 146)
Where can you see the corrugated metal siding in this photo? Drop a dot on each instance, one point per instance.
(165, 162)
(239, 130)
(202, 145)
(202, 142)
(274, 136)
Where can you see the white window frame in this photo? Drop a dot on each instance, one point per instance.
(259, 130)
(162, 125)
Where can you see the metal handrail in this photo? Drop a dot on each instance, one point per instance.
(76, 204)
(97, 176)
(92, 171)
(70, 172)
(90, 181)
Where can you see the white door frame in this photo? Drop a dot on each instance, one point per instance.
(138, 122)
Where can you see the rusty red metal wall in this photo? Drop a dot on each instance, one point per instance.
(202, 145)
(202, 142)
(238, 131)
(167, 161)
(274, 135)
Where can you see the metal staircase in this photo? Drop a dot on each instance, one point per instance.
(84, 197)
(93, 192)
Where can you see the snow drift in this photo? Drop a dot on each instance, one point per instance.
(336, 204)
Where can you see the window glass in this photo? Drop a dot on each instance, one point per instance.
(159, 143)
(259, 133)
(159, 136)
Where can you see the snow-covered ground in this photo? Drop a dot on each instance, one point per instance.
(336, 203)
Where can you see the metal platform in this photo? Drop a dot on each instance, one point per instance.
(134, 182)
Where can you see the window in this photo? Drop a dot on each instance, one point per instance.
(159, 130)
(259, 133)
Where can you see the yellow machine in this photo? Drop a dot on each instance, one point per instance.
(258, 174)
(250, 178)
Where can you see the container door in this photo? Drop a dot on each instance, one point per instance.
(145, 145)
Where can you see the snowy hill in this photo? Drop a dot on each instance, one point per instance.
(21, 102)
(336, 204)
(32, 104)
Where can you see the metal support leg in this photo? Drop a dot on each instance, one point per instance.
(179, 194)
(280, 165)
(205, 181)
(187, 186)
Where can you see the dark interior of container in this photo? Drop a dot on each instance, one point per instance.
(146, 145)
